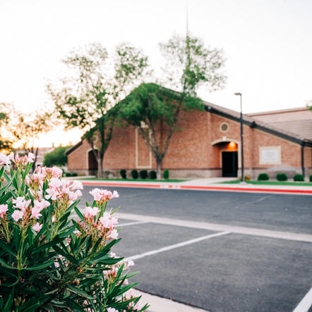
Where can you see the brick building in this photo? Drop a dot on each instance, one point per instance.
(208, 145)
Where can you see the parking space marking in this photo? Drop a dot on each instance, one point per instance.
(306, 303)
(221, 227)
(191, 241)
(255, 201)
(131, 223)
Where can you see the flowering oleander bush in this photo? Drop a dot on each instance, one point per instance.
(54, 256)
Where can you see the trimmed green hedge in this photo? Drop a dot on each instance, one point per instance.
(123, 173)
(143, 174)
(263, 177)
(281, 176)
(134, 174)
(166, 174)
(153, 175)
(299, 177)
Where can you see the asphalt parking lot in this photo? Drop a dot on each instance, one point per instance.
(218, 251)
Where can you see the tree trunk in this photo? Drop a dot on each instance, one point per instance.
(158, 172)
(100, 168)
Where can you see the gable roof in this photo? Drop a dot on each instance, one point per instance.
(71, 149)
(292, 129)
(295, 133)
(296, 120)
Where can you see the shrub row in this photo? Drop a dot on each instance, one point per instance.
(70, 174)
(143, 174)
(282, 177)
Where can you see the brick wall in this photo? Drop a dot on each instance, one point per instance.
(196, 146)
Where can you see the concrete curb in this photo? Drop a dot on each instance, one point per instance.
(300, 190)
(159, 304)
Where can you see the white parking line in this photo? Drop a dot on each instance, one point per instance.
(221, 227)
(191, 241)
(305, 304)
(131, 223)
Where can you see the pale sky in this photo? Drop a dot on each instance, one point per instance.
(266, 44)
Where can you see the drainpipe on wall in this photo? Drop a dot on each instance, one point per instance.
(302, 159)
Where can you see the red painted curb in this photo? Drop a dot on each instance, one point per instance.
(101, 183)
(200, 187)
(248, 189)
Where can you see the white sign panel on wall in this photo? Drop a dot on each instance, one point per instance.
(270, 155)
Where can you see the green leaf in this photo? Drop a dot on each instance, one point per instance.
(80, 292)
(66, 255)
(80, 215)
(3, 246)
(9, 302)
(72, 304)
(30, 306)
(5, 272)
(39, 266)
(56, 240)
(4, 199)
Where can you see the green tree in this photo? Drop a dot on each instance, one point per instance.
(26, 128)
(5, 112)
(57, 157)
(97, 84)
(154, 110)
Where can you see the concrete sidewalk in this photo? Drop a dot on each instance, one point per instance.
(158, 304)
(208, 184)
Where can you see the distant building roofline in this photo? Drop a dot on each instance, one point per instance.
(286, 110)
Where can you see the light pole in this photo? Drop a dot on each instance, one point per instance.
(241, 135)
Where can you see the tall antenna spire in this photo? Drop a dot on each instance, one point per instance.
(187, 23)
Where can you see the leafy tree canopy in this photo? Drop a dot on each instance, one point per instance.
(151, 103)
(57, 157)
(5, 117)
(155, 109)
(99, 80)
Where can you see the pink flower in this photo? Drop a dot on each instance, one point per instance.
(17, 214)
(96, 193)
(21, 203)
(112, 255)
(108, 221)
(11, 156)
(55, 183)
(4, 160)
(74, 195)
(113, 234)
(31, 157)
(41, 204)
(111, 310)
(66, 190)
(35, 213)
(103, 195)
(23, 160)
(38, 207)
(37, 227)
(56, 172)
(115, 194)
(3, 209)
(76, 185)
(91, 212)
(52, 193)
(38, 177)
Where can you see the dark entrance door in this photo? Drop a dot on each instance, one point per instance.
(229, 164)
(92, 162)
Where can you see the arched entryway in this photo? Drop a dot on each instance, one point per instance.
(228, 151)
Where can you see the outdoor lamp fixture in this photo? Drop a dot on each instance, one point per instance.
(241, 136)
